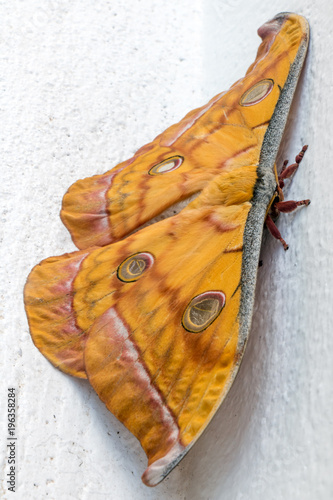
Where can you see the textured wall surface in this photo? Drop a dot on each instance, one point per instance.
(83, 85)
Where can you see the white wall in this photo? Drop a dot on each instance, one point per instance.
(84, 84)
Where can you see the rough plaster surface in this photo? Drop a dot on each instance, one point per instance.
(84, 84)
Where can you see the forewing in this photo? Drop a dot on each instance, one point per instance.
(181, 161)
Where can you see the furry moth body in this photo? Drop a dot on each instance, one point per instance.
(156, 315)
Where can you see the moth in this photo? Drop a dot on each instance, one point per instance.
(154, 309)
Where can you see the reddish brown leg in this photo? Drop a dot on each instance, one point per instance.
(287, 172)
(284, 206)
(284, 166)
(274, 231)
(290, 205)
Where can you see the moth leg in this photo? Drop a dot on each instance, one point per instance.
(290, 205)
(279, 205)
(284, 207)
(274, 231)
(288, 171)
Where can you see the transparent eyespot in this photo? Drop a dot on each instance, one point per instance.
(167, 165)
(202, 311)
(134, 266)
(257, 93)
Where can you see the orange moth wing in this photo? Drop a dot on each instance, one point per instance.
(181, 161)
(158, 319)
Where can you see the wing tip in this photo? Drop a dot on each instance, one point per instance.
(158, 470)
(85, 213)
(273, 26)
(50, 315)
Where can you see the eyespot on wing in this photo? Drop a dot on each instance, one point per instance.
(202, 311)
(257, 92)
